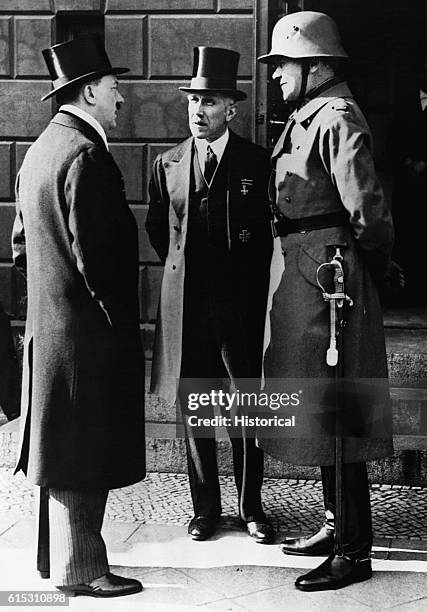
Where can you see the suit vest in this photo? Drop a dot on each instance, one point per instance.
(207, 259)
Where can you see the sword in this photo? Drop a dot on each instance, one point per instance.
(334, 358)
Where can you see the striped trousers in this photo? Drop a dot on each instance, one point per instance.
(70, 544)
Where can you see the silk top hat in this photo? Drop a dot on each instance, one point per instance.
(215, 70)
(77, 60)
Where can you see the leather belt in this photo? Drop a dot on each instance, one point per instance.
(285, 226)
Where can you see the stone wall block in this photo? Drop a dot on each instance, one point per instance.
(152, 111)
(32, 34)
(5, 46)
(24, 6)
(172, 6)
(235, 5)
(68, 6)
(172, 40)
(151, 280)
(131, 160)
(6, 288)
(7, 217)
(124, 40)
(13, 291)
(5, 167)
(26, 115)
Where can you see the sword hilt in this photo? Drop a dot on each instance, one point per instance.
(336, 301)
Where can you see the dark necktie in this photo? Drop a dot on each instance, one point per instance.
(210, 164)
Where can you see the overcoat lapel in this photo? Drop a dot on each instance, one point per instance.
(177, 172)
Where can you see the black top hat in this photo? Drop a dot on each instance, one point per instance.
(77, 60)
(215, 70)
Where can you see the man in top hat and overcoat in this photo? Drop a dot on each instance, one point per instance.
(75, 240)
(208, 221)
(329, 209)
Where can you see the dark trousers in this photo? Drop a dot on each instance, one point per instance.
(215, 353)
(357, 520)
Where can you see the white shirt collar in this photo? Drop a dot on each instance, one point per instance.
(423, 99)
(78, 112)
(217, 146)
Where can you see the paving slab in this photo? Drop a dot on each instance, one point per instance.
(21, 535)
(223, 605)
(419, 605)
(287, 597)
(234, 581)
(390, 589)
(7, 520)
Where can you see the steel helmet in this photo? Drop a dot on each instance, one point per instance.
(305, 34)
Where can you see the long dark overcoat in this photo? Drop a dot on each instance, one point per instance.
(75, 238)
(247, 231)
(324, 165)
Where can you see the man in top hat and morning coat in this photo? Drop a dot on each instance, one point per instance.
(208, 221)
(326, 196)
(75, 239)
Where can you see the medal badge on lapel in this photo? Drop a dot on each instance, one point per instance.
(245, 186)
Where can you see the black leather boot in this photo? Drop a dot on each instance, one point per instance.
(321, 543)
(335, 573)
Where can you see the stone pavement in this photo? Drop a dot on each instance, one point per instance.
(294, 505)
(145, 531)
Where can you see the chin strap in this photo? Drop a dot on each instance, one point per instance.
(305, 69)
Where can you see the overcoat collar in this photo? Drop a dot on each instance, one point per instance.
(72, 121)
(341, 90)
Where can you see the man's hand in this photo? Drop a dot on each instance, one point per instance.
(394, 282)
(414, 167)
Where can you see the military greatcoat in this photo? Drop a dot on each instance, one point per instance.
(75, 238)
(324, 165)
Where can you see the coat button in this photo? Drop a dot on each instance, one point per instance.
(173, 267)
(178, 246)
(287, 199)
(288, 173)
(177, 228)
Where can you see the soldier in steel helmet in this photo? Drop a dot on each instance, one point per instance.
(327, 197)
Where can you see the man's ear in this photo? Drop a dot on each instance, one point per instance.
(89, 94)
(231, 111)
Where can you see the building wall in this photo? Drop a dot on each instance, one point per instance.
(155, 39)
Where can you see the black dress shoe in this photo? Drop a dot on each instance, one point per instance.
(202, 527)
(321, 543)
(261, 532)
(108, 585)
(335, 573)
